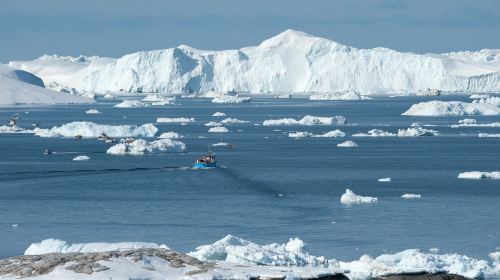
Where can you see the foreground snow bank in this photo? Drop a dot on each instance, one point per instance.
(141, 146)
(349, 198)
(479, 175)
(306, 120)
(59, 246)
(452, 108)
(91, 130)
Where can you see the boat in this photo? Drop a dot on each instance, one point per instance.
(206, 161)
(106, 138)
(47, 152)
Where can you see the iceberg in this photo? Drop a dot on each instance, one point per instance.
(290, 62)
(375, 133)
(452, 108)
(218, 129)
(300, 134)
(92, 130)
(170, 135)
(479, 175)
(141, 146)
(20, 87)
(416, 131)
(331, 134)
(14, 129)
(478, 96)
(92, 111)
(132, 104)
(175, 120)
(347, 144)
(233, 121)
(213, 124)
(348, 95)
(230, 99)
(411, 196)
(488, 135)
(350, 198)
(474, 123)
(79, 158)
(157, 98)
(218, 114)
(307, 120)
(48, 246)
(384, 180)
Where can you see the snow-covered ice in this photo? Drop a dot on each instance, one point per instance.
(479, 175)
(218, 129)
(306, 120)
(92, 130)
(82, 157)
(452, 108)
(347, 144)
(411, 196)
(175, 120)
(141, 146)
(349, 198)
(132, 104)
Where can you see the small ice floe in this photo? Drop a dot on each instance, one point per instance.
(375, 133)
(411, 196)
(306, 120)
(92, 111)
(93, 130)
(230, 99)
(132, 104)
(346, 95)
(14, 225)
(218, 129)
(232, 121)
(213, 124)
(416, 131)
(223, 145)
(474, 123)
(384, 179)
(281, 195)
(349, 198)
(347, 144)
(300, 134)
(488, 135)
(454, 108)
(170, 135)
(141, 146)
(175, 120)
(218, 114)
(479, 175)
(434, 250)
(14, 129)
(82, 157)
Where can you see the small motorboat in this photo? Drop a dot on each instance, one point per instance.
(47, 152)
(78, 137)
(106, 138)
(206, 161)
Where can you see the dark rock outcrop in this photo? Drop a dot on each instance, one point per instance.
(422, 276)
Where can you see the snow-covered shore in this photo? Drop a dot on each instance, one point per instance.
(228, 258)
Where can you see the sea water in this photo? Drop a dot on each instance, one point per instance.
(269, 188)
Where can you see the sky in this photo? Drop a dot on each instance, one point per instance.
(31, 28)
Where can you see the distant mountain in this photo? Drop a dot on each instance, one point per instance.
(291, 61)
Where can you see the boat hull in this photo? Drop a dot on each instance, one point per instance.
(204, 165)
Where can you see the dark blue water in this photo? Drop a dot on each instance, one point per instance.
(152, 198)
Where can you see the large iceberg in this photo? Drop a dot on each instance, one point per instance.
(290, 62)
(452, 108)
(306, 120)
(21, 87)
(92, 130)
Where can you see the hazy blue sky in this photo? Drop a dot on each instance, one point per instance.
(30, 28)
